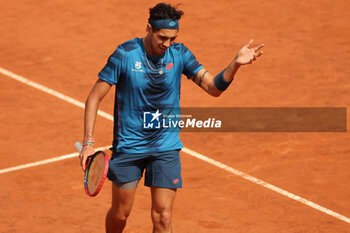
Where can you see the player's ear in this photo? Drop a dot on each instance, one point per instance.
(148, 28)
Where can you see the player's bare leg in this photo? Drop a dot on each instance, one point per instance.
(162, 206)
(122, 201)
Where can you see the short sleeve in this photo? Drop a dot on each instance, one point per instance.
(191, 65)
(112, 70)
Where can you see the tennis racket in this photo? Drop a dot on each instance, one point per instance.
(96, 168)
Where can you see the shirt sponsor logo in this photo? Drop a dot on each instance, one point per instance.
(138, 67)
(169, 66)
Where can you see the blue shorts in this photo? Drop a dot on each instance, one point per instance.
(163, 169)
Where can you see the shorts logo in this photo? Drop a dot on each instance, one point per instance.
(169, 66)
(151, 120)
(176, 181)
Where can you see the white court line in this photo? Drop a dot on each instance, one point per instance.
(266, 185)
(186, 150)
(46, 161)
(51, 92)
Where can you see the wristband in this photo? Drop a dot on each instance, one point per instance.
(220, 83)
(85, 143)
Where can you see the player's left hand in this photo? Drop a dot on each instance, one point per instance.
(247, 55)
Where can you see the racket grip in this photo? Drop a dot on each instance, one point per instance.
(78, 146)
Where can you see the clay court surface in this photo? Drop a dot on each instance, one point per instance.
(63, 44)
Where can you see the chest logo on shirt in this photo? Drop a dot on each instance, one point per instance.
(138, 67)
(169, 66)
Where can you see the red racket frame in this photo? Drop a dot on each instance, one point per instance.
(87, 167)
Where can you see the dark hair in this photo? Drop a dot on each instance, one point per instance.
(165, 11)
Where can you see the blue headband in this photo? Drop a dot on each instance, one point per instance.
(164, 23)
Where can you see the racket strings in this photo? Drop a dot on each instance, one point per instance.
(95, 172)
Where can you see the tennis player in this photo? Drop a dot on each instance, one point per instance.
(147, 74)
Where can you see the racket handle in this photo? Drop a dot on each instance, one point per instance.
(78, 146)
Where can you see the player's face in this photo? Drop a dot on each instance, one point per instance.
(161, 40)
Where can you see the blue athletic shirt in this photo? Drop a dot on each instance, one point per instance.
(140, 89)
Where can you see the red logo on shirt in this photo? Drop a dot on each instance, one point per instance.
(169, 66)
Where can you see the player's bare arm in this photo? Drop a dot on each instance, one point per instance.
(215, 85)
(93, 101)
